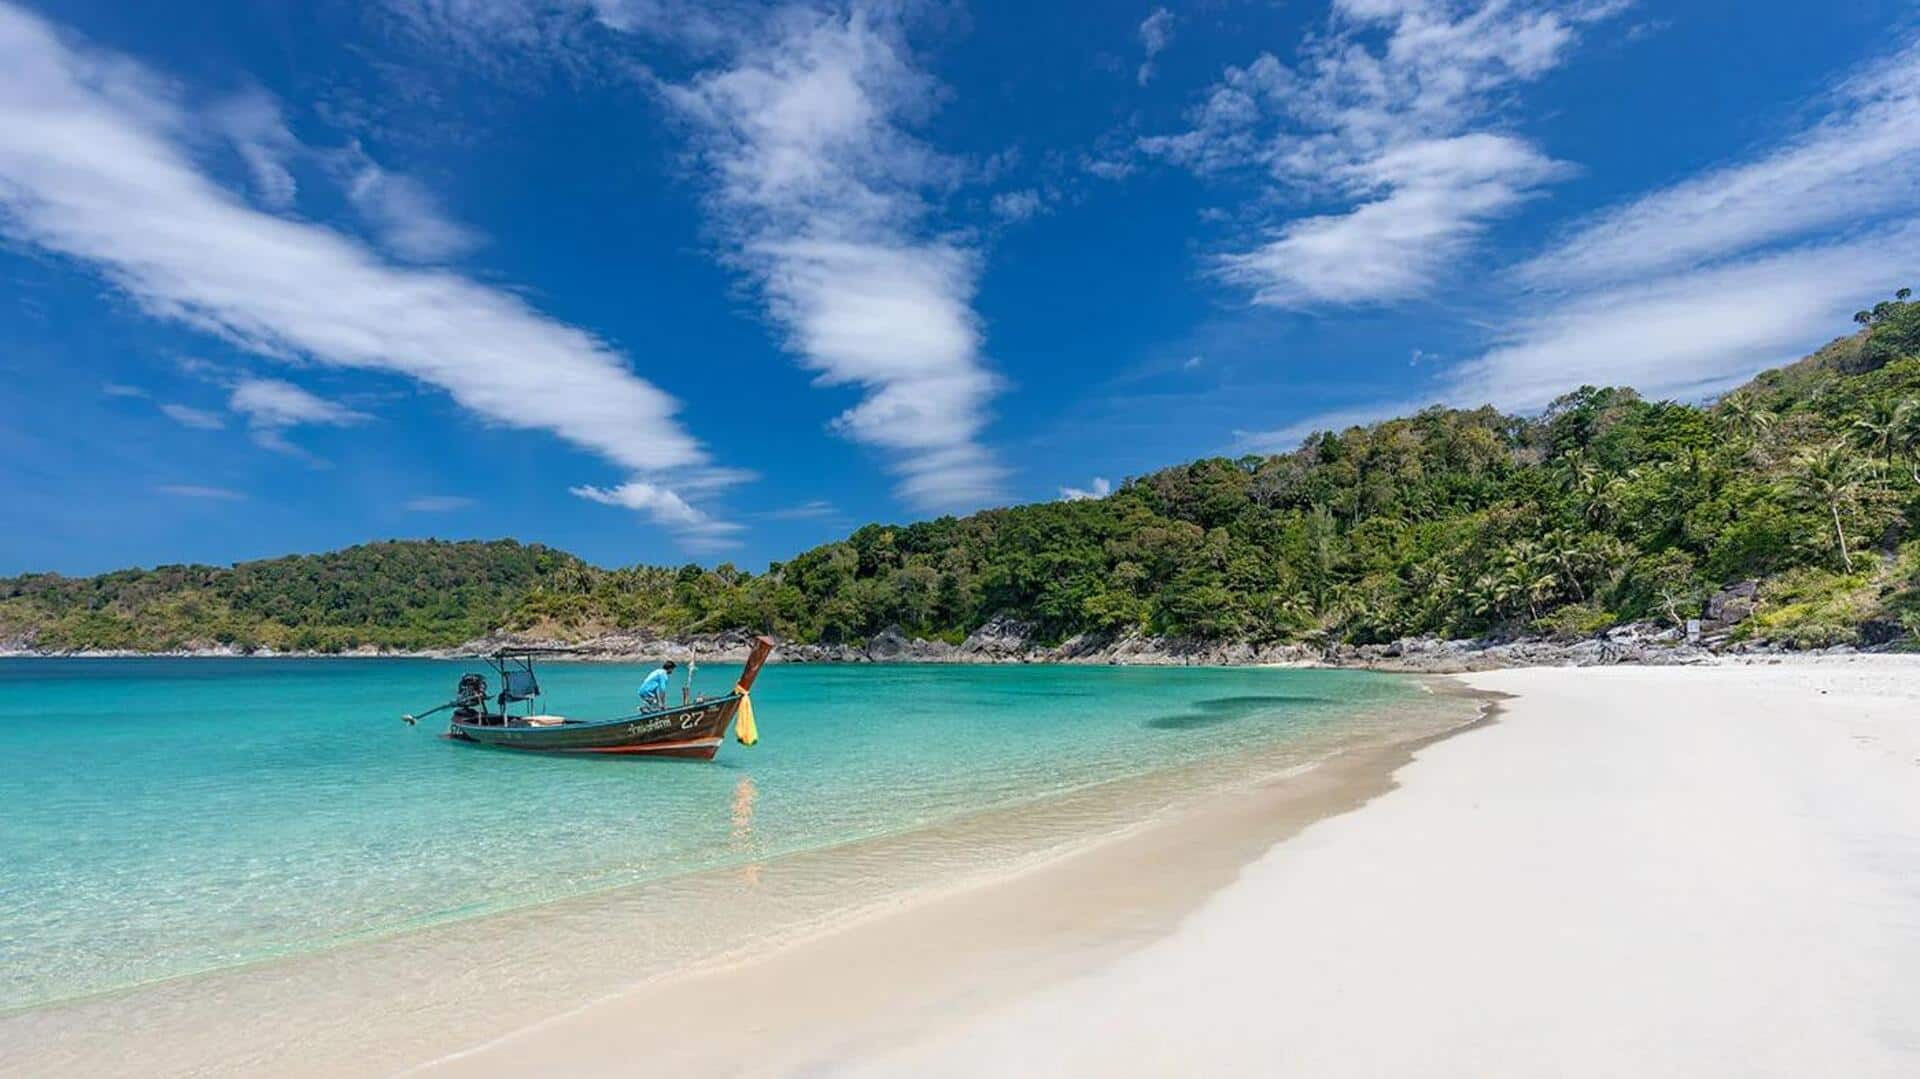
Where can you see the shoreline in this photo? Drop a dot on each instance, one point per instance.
(399, 998)
(1415, 656)
(1548, 890)
(945, 951)
(1624, 870)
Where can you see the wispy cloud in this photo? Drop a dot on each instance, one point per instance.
(1691, 333)
(191, 490)
(253, 123)
(1694, 286)
(1384, 116)
(92, 167)
(273, 406)
(437, 503)
(408, 220)
(805, 511)
(696, 529)
(197, 418)
(1685, 335)
(820, 193)
(1860, 161)
(121, 389)
(1099, 488)
(1020, 205)
(1156, 33)
(1436, 198)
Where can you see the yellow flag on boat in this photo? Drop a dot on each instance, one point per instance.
(743, 727)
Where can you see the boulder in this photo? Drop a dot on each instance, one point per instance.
(890, 643)
(1880, 631)
(1733, 603)
(1003, 636)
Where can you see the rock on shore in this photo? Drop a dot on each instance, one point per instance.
(1006, 639)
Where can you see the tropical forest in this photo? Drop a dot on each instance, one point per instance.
(1605, 508)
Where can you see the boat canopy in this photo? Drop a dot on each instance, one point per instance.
(517, 680)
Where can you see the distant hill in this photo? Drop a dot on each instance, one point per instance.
(400, 594)
(1606, 508)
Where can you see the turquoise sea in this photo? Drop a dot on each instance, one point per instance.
(166, 817)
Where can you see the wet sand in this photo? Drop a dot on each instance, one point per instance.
(877, 984)
(1646, 871)
(971, 904)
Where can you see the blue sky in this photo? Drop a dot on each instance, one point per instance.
(663, 281)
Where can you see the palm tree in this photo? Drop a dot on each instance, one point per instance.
(1907, 433)
(1878, 429)
(1830, 477)
(1566, 553)
(1527, 574)
(1745, 416)
(1599, 492)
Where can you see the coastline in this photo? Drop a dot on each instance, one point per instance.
(865, 984)
(1637, 872)
(1637, 644)
(1622, 870)
(381, 1004)
(1554, 892)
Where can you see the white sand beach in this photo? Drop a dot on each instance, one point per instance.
(1631, 871)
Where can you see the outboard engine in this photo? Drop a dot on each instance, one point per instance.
(470, 700)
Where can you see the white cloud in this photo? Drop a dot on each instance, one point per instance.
(1861, 161)
(1156, 33)
(805, 511)
(188, 416)
(477, 28)
(407, 218)
(437, 503)
(1698, 285)
(820, 193)
(91, 167)
(696, 528)
(190, 490)
(1692, 288)
(1685, 336)
(272, 406)
(270, 402)
(1016, 206)
(1695, 332)
(1437, 197)
(120, 389)
(1377, 121)
(1099, 488)
(260, 135)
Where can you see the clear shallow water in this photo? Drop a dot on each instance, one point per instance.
(167, 816)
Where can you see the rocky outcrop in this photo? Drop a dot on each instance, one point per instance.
(1005, 638)
(1638, 642)
(1732, 604)
(1002, 638)
(892, 645)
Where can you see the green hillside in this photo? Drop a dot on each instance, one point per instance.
(396, 595)
(1606, 508)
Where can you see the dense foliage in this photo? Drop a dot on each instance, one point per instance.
(395, 595)
(1605, 508)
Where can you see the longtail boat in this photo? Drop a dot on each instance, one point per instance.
(694, 728)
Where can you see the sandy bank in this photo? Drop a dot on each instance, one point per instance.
(1703, 871)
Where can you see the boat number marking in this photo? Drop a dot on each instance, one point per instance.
(687, 722)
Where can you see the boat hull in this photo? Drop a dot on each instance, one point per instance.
(689, 731)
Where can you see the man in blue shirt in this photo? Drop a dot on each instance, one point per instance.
(653, 691)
